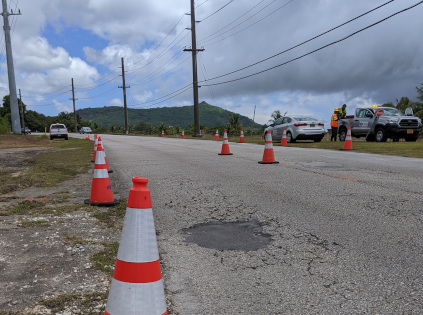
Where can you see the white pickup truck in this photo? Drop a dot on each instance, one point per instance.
(58, 131)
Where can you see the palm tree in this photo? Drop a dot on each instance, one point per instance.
(276, 115)
(234, 126)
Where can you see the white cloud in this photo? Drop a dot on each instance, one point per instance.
(377, 65)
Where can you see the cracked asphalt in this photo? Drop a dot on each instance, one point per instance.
(345, 228)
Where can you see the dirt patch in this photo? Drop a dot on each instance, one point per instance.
(48, 238)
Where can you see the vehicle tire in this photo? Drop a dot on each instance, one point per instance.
(318, 140)
(342, 134)
(411, 139)
(66, 138)
(289, 138)
(51, 138)
(396, 139)
(380, 135)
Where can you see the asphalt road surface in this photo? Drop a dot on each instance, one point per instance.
(322, 232)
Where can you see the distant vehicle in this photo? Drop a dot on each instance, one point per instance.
(298, 127)
(26, 130)
(85, 130)
(378, 123)
(58, 131)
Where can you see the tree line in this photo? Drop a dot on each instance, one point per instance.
(39, 122)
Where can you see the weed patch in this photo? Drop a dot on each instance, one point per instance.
(111, 216)
(35, 223)
(89, 303)
(105, 260)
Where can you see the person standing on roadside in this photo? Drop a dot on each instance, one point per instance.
(342, 111)
(334, 124)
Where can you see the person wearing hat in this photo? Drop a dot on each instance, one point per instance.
(334, 124)
(342, 111)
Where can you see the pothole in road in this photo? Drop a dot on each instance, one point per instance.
(239, 235)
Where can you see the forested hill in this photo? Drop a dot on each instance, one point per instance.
(210, 116)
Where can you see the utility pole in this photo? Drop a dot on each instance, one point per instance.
(14, 109)
(124, 87)
(21, 111)
(194, 72)
(74, 111)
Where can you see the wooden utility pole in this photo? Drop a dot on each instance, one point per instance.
(194, 72)
(14, 107)
(21, 111)
(124, 87)
(74, 111)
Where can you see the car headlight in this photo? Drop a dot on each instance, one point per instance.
(392, 120)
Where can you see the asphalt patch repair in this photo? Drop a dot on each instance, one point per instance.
(239, 235)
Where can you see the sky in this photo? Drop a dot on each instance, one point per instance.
(295, 56)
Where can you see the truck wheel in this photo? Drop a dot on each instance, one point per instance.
(411, 139)
(66, 138)
(342, 134)
(380, 135)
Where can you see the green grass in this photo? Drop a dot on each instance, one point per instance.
(87, 303)
(36, 223)
(65, 161)
(105, 260)
(406, 149)
(51, 168)
(112, 215)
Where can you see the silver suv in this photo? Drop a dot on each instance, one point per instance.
(85, 130)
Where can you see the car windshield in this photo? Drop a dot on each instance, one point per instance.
(391, 112)
(57, 126)
(304, 118)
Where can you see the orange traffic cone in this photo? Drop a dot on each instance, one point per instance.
(284, 141)
(216, 136)
(162, 133)
(137, 285)
(268, 155)
(225, 145)
(100, 150)
(241, 136)
(348, 140)
(95, 148)
(183, 135)
(101, 190)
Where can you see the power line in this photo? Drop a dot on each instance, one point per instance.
(217, 11)
(307, 41)
(316, 50)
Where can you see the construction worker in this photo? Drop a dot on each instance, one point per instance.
(334, 124)
(342, 111)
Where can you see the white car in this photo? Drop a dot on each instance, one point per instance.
(298, 127)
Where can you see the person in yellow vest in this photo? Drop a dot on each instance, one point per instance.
(342, 111)
(334, 124)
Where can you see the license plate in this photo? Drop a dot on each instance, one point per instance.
(312, 125)
(410, 131)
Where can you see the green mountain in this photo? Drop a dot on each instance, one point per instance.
(210, 116)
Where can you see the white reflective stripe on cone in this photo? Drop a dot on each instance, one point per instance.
(268, 137)
(268, 145)
(138, 242)
(136, 298)
(99, 157)
(101, 173)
